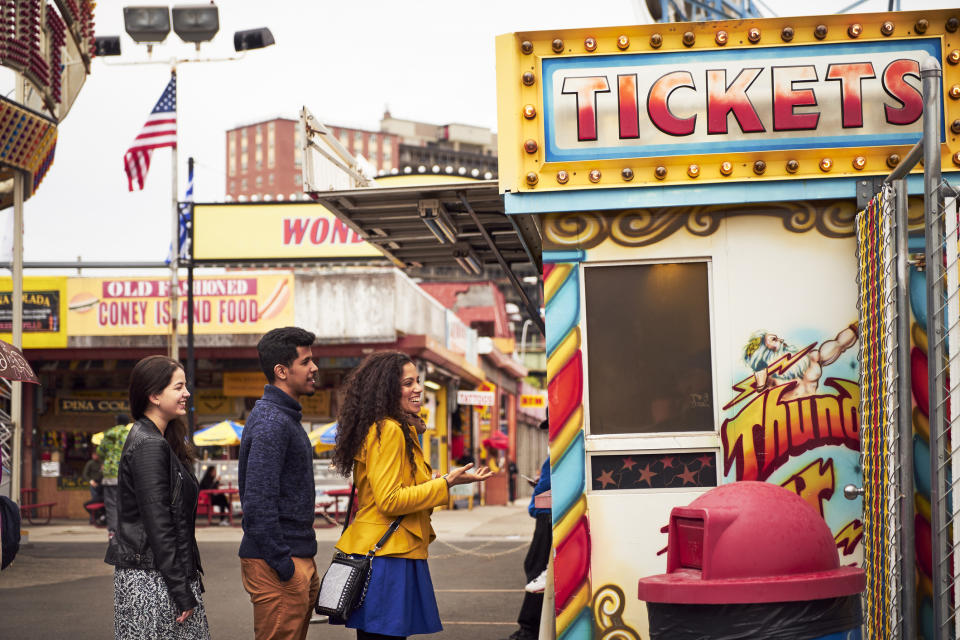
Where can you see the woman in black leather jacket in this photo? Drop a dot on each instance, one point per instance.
(157, 577)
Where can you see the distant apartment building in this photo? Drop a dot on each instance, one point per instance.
(264, 159)
(449, 148)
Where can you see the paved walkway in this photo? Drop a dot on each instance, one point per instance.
(495, 522)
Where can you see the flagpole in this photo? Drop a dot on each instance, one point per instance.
(175, 241)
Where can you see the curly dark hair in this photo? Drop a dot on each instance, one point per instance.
(370, 394)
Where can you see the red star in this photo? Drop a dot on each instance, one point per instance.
(688, 476)
(605, 478)
(706, 461)
(628, 463)
(667, 461)
(646, 475)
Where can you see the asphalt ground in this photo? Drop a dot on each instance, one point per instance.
(62, 589)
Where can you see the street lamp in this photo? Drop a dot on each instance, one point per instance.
(194, 24)
(147, 25)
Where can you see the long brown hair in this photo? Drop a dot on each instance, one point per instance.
(370, 394)
(152, 375)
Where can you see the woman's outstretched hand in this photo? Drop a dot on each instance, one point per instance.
(464, 475)
(183, 616)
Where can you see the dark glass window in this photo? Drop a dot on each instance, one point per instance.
(648, 348)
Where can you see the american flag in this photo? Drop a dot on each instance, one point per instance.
(159, 131)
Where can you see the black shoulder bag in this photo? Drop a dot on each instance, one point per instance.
(344, 585)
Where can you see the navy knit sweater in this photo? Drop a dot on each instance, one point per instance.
(276, 484)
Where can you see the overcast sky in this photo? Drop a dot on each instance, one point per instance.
(427, 60)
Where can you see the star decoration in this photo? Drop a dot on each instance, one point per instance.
(605, 478)
(706, 461)
(646, 475)
(688, 476)
(629, 463)
(667, 461)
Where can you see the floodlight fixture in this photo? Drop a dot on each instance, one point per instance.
(435, 216)
(252, 39)
(106, 46)
(467, 259)
(147, 25)
(196, 23)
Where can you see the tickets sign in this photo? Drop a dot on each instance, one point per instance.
(744, 100)
(141, 306)
(650, 105)
(274, 231)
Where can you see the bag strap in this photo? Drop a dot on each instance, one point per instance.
(346, 518)
(382, 541)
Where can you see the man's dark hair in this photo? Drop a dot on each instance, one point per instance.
(279, 346)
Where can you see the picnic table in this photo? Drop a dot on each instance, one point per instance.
(29, 507)
(204, 500)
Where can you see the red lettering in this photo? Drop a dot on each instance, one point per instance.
(851, 77)
(355, 238)
(294, 229)
(340, 232)
(627, 97)
(319, 230)
(907, 96)
(586, 90)
(723, 98)
(658, 104)
(786, 98)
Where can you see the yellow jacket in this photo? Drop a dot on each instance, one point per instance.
(386, 490)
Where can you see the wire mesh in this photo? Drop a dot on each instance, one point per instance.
(6, 440)
(879, 406)
(943, 349)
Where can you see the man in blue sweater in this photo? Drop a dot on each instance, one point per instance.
(277, 491)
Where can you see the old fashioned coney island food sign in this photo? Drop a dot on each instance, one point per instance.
(684, 103)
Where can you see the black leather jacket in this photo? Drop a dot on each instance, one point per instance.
(157, 505)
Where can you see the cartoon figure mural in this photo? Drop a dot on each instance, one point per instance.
(794, 431)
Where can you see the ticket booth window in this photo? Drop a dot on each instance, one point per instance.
(648, 348)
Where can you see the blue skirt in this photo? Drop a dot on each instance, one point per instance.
(400, 599)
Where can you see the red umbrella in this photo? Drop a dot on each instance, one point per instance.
(13, 366)
(497, 440)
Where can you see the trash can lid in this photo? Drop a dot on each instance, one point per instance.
(749, 542)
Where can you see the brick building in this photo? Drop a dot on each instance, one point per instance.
(264, 158)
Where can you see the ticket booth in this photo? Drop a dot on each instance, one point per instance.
(696, 187)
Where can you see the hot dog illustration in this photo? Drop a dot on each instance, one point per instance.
(82, 302)
(276, 302)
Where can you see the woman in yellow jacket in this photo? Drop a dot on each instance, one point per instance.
(377, 442)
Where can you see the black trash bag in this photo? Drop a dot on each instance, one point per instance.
(9, 530)
(771, 620)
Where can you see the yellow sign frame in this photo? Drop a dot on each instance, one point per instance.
(521, 104)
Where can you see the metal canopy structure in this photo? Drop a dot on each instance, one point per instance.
(441, 225)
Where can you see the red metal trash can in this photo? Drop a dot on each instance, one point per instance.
(752, 559)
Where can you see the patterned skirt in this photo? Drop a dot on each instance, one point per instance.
(143, 609)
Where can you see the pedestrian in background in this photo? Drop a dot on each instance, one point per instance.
(93, 475)
(109, 450)
(277, 491)
(157, 576)
(377, 443)
(211, 480)
(538, 556)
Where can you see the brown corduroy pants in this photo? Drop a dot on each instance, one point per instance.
(281, 610)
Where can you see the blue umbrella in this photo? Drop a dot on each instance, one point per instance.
(324, 437)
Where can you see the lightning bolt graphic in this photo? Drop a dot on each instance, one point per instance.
(849, 537)
(748, 385)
